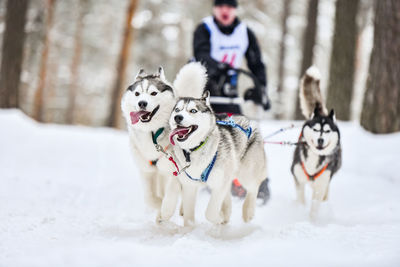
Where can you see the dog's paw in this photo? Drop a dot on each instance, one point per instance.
(226, 215)
(247, 218)
(214, 218)
(248, 214)
(188, 223)
(159, 220)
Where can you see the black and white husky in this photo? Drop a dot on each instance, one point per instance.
(146, 106)
(213, 150)
(318, 154)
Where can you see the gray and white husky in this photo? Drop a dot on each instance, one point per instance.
(318, 154)
(146, 106)
(213, 150)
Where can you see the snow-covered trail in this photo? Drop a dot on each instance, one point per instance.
(70, 196)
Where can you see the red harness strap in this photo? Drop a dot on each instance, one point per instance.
(300, 136)
(315, 176)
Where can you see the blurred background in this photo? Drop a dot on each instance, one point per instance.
(69, 61)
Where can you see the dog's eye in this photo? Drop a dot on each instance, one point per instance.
(193, 111)
(137, 94)
(153, 93)
(327, 131)
(176, 110)
(315, 130)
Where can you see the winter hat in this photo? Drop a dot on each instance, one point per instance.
(226, 2)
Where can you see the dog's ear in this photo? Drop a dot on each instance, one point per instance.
(317, 111)
(332, 115)
(161, 73)
(141, 74)
(206, 97)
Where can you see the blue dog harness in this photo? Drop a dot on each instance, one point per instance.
(206, 173)
(233, 124)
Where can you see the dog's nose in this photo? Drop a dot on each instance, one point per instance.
(142, 104)
(320, 141)
(178, 118)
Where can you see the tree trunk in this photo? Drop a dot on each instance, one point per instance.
(12, 52)
(115, 113)
(282, 52)
(342, 65)
(381, 108)
(83, 5)
(38, 101)
(308, 47)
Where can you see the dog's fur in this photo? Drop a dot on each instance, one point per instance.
(146, 106)
(237, 156)
(319, 143)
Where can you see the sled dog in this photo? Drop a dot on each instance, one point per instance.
(318, 154)
(213, 150)
(146, 106)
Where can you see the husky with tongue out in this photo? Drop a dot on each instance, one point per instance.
(213, 150)
(146, 106)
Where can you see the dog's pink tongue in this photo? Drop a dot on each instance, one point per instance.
(179, 132)
(135, 116)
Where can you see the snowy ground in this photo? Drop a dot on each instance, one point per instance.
(70, 196)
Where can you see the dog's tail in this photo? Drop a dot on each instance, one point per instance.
(191, 80)
(310, 93)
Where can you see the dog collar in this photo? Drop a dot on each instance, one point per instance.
(154, 136)
(187, 154)
(199, 146)
(204, 175)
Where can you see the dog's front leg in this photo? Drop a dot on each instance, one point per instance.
(300, 193)
(168, 206)
(300, 180)
(320, 187)
(326, 194)
(214, 208)
(189, 194)
(227, 208)
(150, 189)
(249, 205)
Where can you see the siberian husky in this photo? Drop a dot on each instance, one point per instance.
(213, 150)
(146, 106)
(318, 154)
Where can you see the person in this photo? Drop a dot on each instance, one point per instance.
(221, 42)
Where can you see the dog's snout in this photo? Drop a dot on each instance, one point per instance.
(178, 118)
(320, 141)
(142, 104)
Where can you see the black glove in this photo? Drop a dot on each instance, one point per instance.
(267, 104)
(255, 95)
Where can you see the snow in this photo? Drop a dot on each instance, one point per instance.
(71, 196)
